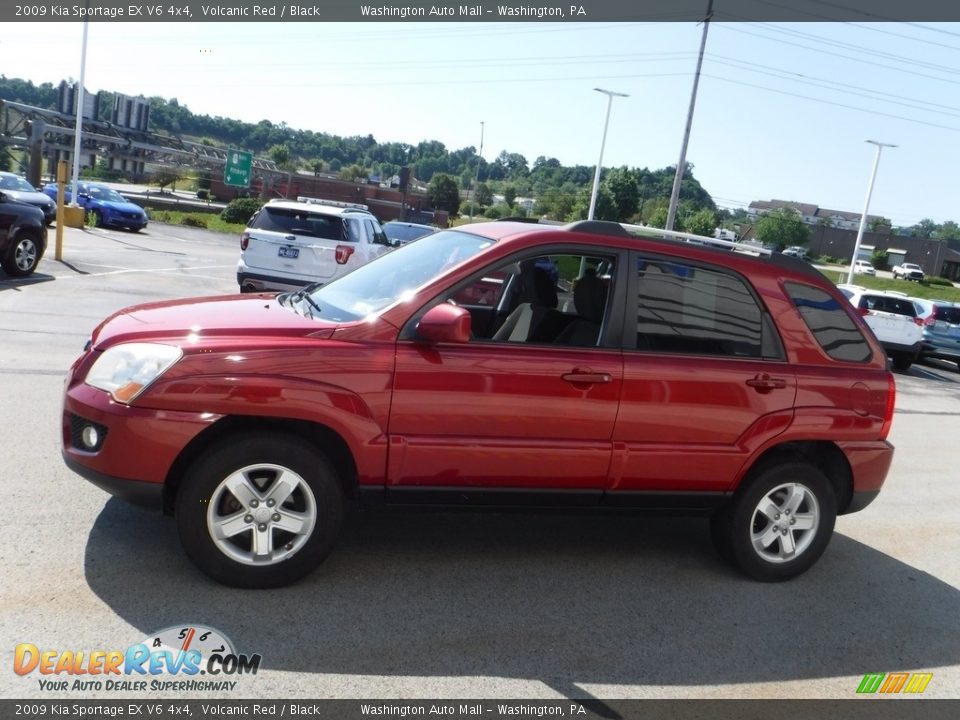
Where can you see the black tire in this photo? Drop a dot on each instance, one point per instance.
(737, 523)
(22, 256)
(902, 361)
(232, 561)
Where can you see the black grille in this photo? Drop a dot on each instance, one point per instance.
(77, 424)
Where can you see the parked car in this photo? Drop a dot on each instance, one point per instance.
(656, 374)
(893, 318)
(23, 236)
(864, 267)
(400, 233)
(907, 271)
(289, 244)
(941, 329)
(796, 251)
(17, 188)
(104, 205)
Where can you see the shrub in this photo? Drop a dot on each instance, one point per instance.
(496, 212)
(880, 260)
(827, 260)
(939, 281)
(203, 194)
(239, 211)
(193, 221)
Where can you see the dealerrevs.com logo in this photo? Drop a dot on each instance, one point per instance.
(176, 659)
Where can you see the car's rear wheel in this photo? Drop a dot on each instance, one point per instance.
(779, 522)
(259, 511)
(22, 257)
(902, 361)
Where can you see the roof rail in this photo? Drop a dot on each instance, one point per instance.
(626, 230)
(332, 203)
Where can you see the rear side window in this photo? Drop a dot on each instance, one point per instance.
(830, 324)
(299, 222)
(947, 314)
(695, 310)
(888, 304)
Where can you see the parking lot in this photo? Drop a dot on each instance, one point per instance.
(460, 605)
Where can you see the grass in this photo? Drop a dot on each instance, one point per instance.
(913, 289)
(209, 221)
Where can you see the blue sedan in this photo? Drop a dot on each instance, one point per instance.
(105, 205)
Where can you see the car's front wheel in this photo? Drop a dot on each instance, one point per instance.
(22, 256)
(259, 511)
(779, 522)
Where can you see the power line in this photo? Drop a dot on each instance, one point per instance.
(836, 104)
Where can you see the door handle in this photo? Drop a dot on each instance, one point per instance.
(763, 383)
(578, 376)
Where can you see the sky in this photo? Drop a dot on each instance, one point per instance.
(783, 109)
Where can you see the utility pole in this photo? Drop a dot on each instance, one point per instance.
(682, 163)
(476, 177)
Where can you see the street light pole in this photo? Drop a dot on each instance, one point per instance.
(476, 177)
(596, 176)
(866, 206)
(79, 127)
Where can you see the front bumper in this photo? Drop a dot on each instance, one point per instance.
(139, 446)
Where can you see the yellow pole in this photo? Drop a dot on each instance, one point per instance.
(61, 181)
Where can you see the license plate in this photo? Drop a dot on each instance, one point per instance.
(289, 252)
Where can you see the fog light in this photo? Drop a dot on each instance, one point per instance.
(90, 437)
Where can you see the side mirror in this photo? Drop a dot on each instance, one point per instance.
(445, 323)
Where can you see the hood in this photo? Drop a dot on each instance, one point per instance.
(209, 320)
(30, 197)
(125, 206)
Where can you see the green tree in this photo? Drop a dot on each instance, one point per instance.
(444, 193)
(924, 229)
(781, 228)
(948, 231)
(606, 208)
(280, 154)
(879, 225)
(701, 222)
(622, 184)
(354, 172)
(509, 195)
(166, 176)
(484, 197)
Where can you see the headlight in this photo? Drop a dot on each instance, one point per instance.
(127, 370)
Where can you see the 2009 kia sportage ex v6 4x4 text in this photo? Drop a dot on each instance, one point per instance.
(501, 363)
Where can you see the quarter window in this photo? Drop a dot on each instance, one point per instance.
(830, 323)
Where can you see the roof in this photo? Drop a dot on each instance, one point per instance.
(326, 207)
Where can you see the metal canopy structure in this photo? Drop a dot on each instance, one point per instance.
(49, 134)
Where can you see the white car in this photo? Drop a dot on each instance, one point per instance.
(289, 244)
(908, 271)
(894, 320)
(864, 267)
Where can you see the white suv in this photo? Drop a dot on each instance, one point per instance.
(893, 318)
(289, 244)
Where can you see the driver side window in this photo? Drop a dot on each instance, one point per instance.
(555, 299)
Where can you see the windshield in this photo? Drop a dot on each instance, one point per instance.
(292, 221)
(406, 233)
(11, 182)
(103, 193)
(394, 276)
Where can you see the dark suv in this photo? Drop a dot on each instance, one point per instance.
(23, 236)
(499, 364)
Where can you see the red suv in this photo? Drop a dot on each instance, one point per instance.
(582, 366)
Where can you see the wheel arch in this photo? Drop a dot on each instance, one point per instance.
(826, 456)
(325, 439)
